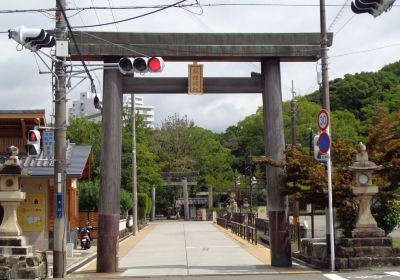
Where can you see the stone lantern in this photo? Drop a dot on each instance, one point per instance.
(366, 225)
(10, 194)
(17, 258)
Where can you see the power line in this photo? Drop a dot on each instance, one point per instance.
(113, 16)
(132, 18)
(344, 25)
(367, 50)
(176, 6)
(338, 15)
(76, 46)
(95, 11)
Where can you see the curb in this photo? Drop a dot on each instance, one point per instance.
(75, 266)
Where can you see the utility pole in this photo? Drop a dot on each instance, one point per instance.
(60, 224)
(134, 168)
(330, 239)
(296, 210)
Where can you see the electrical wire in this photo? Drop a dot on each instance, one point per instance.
(367, 50)
(95, 11)
(178, 6)
(113, 16)
(76, 45)
(132, 18)
(338, 15)
(344, 25)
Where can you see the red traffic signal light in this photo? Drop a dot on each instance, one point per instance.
(155, 64)
(129, 65)
(32, 136)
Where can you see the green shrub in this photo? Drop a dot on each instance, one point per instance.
(142, 205)
(125, 201)
(148, 207)
(386, 211)
(88, 195)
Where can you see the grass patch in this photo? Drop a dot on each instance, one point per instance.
(396, 243)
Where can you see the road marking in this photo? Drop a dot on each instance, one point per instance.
(393, 273)
(209, 247)
(334, 277)
(369, 277)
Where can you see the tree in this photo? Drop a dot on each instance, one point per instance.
(86, 132)
(210, 158)
(384, 145)
(88, 195)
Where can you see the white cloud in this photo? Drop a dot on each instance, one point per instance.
(21, 87)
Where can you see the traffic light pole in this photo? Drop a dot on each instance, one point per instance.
(60, 225)
(134, 169)
(330, 239)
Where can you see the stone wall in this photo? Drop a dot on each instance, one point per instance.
(21, 267)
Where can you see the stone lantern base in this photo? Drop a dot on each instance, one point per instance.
(18, 261)
(366, 252)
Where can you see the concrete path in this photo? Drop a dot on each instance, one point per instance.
(189, 248)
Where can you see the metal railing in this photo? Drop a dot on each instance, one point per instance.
(245, 231)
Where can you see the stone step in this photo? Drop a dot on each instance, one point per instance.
(364, 242)
(367, 251)
(15, 250)
(359, 262)
(12, 241)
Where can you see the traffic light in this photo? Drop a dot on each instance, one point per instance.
(33, 143)
(31, 38)
(373, 7)
(129, 65)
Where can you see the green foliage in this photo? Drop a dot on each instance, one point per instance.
(384, 146)
(88, 195)
(304, 177)
(85, 132)
(126, 201)
(149, 205)
(211, 159)
(386, 210)
(142, 205)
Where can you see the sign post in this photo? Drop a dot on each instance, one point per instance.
(324, 144)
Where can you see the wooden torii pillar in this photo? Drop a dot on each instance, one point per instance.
(268, 48)
(184, 183)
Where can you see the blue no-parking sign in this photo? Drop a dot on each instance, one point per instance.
(324, 143)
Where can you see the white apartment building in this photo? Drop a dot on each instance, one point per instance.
(84, 107)
(146, 112)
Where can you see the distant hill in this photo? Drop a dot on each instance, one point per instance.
(362, 93)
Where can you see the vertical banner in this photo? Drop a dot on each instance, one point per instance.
(31, 213)
(195, 78)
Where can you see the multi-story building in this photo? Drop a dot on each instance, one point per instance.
(84, 107)
(146, 112)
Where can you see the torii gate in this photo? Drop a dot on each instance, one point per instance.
(184, 183)
(268, 48)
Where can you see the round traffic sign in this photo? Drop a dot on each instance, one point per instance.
(323, 119)
(324, 142)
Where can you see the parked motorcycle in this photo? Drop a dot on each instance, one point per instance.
(84, 236)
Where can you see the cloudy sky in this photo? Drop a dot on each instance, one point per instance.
(361, 43)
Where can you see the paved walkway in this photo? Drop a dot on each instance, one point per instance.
(189, 248)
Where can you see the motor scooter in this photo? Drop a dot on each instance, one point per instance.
(84, 237)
